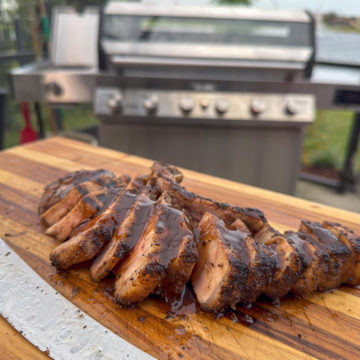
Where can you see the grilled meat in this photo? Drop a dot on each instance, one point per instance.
(314, 262)
(339, 254)
(231, 266)
(90, 239)
(162, 169)
(57, 190)
(155, 235)
(156, 256)
(62, 207)
(196, 206)
(85, 209)
(296, 262)
(286, 258)
(124, 238)
(76, 193)
(186, 254)
(351, 241)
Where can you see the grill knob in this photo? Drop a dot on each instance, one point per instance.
(257, 106)
(115, 103)
(293, 107)
(186, 104)
(54, 88)
(151, 104)
(204, 103)
(222, 106)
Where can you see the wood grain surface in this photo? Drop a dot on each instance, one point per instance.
(322, 326)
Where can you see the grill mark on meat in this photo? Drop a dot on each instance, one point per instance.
(61, 208)
(241, 274)
(163, 169)
(287, 260)
(296, 262)
(135, 186)
(288, 271)
(314, 262)
(85, 209)
(339, 254)
(181, 266)
(349, 238)
(197, 206)
(81, 248)
(78, 192)
(58, 189)
(124, 238)
(147, 265)
(88, 242)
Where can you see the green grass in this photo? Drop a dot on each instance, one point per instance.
(342, 29)
(327, 138)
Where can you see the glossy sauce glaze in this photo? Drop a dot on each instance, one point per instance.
(59, 188)
(155, 259)
(124, 238)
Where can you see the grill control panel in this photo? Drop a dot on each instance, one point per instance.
(207, 105)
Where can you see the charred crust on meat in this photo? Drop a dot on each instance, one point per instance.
(153, 269)
(54, 261)
(255, 259)
(58, 189)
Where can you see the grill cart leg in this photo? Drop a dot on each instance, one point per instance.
(348, 180)
(2, 117)
(40, 121)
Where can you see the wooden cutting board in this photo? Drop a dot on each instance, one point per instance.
(323, 326)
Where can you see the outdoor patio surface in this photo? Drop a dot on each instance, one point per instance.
(328, 196)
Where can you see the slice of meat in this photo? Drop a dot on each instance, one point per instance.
(57, 190)
(163, 169)
(265, 234)
(287, 260)
(67, 203)
(90, 239)
(339, 254)
(135, 186)
(288, 268)
(232, 267)
(85, 209)
(61, 208)
(83, 246)
(180, 268)
(314, 262)
(240, 225)
(147, 265)
(196, 206)
(348, 237)
(124, 238)
(217, 276)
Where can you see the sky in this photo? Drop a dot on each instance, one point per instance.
(342, 7)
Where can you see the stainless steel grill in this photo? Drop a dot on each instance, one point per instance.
(223, 90)
(69, 75)
(190, 85)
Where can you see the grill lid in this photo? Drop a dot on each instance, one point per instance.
(138, 35)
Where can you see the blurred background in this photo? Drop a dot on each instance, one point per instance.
(325, 162)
